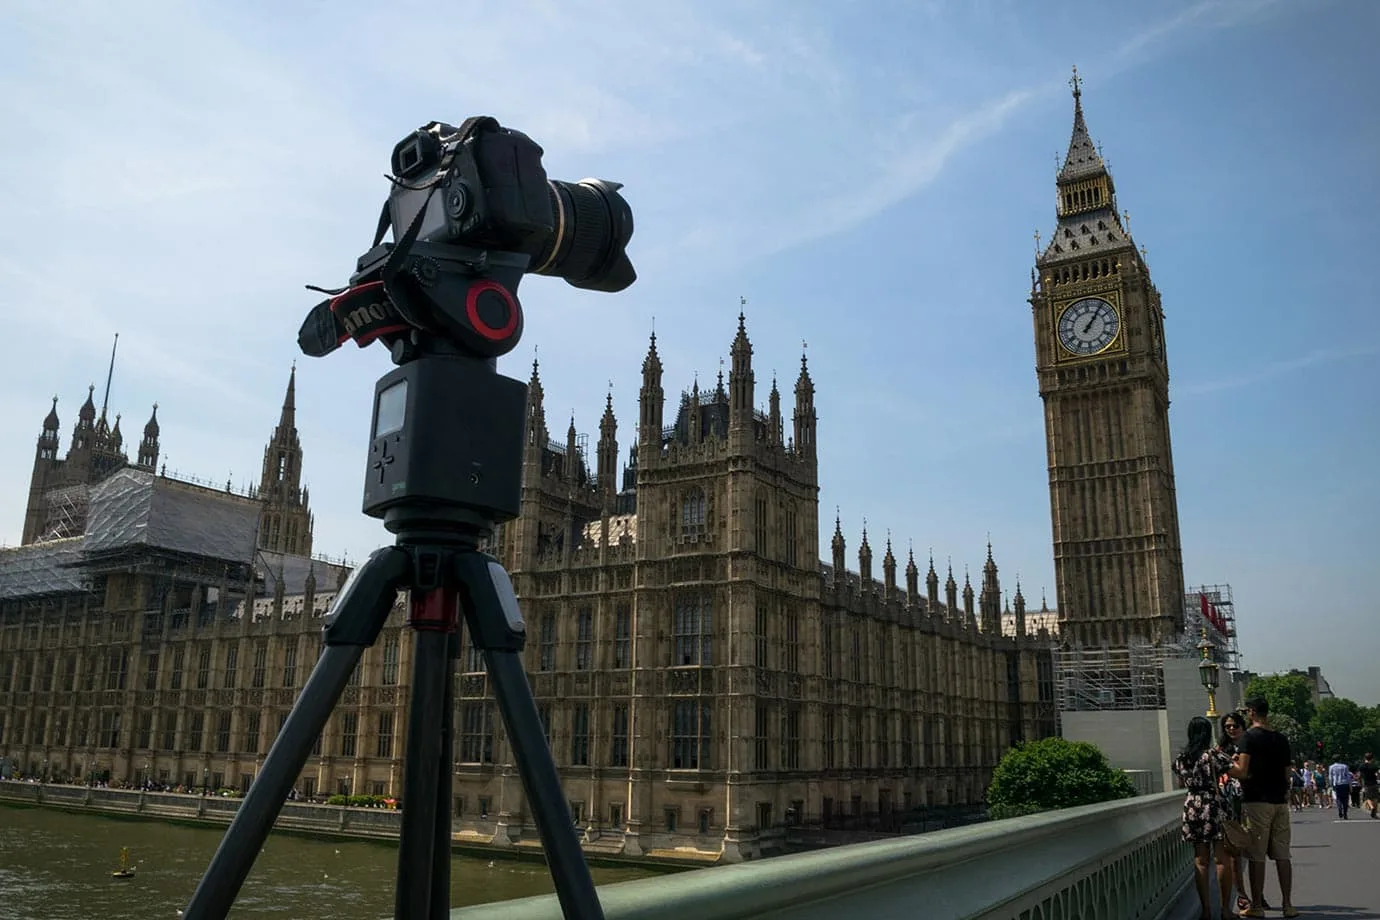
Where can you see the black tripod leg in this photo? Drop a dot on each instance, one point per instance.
(440, 866)
(496, 626)
(432, 613)
(352, 626)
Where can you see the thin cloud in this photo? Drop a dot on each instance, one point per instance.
(919, 156)
(1277, 369)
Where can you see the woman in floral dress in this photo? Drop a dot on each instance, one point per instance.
(1200, 767)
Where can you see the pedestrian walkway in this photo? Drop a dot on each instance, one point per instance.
(1336, 869)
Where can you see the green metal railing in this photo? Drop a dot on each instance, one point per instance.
(1119, 860)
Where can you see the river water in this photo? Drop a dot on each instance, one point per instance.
(56, 865)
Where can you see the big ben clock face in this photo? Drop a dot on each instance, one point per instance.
(1088, 326)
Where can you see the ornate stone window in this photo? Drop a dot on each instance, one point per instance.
(693, 513)
(690, 723)
(693, 632)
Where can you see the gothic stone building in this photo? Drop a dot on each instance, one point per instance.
(702, 677)
(157, 629)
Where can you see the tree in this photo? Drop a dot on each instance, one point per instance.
(1288, 695)
(1300, 738)
(1053, 773)
(1346, 729)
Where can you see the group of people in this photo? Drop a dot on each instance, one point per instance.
(1316, 785)
(1236, 810)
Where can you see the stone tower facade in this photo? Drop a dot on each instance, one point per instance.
(286, 523)
(1104, 378)
(58, 486)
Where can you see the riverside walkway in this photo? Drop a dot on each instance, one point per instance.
(1336, 869)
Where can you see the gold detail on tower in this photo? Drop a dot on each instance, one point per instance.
(1087, 195)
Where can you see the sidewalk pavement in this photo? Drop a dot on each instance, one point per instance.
(1336, 869)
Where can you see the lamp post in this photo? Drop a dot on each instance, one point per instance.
(1208, 673)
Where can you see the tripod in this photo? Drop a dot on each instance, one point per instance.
(445, 465)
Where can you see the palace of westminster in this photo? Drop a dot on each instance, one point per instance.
(703, 678)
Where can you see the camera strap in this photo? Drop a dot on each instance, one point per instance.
(367, 311)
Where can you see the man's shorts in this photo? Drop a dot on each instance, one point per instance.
(1269, 830)
(1370, 793)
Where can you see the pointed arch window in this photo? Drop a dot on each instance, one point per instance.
(693, 631)
(692, 513)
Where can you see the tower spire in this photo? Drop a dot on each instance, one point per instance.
(285, 524)
(109, 375)
(287, 419)
(1087, 210)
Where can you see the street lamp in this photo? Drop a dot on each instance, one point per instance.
(1208, 674)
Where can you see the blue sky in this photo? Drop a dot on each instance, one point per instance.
(869, 176)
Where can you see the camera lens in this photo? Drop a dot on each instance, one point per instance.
(588, 245)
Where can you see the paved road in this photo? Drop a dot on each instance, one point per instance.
(1336, 869)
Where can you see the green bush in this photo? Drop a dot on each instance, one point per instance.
(1053, 773)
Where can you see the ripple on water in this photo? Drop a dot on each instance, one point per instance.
(56, 865)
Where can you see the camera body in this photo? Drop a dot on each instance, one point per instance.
(481, 186)
(472, 210)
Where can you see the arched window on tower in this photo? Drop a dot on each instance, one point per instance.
(692, 513)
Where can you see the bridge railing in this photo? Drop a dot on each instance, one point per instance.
(1120, 860)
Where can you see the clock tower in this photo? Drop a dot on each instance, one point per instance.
(1104, 378)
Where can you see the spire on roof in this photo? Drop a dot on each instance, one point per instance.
(50, 421)
(87, 413)
(288, 419)
(1083, 159)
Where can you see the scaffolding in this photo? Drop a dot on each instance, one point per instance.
(1128, 678)
(65, 515)
(1211, 607)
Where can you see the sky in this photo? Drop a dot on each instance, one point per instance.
(869, 176)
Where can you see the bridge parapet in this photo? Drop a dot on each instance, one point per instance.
(1119, 860)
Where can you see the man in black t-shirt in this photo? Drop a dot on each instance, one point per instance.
(1264, 767)
(1370, 784)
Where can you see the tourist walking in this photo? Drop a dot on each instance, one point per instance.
(1339, 775)
(1200, 767)
(1370, 784)
(1264, 766)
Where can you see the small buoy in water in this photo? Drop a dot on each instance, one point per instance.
(491, 864)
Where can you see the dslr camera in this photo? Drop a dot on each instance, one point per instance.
(471, 210)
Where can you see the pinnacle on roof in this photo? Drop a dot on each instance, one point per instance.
(741, 345)
(803, 383)
(1082, 159)
(288, 418)
(50, 421)
(652, 363)
(88, 408)
(151, 427)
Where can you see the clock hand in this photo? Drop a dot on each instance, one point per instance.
(1088, 325)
